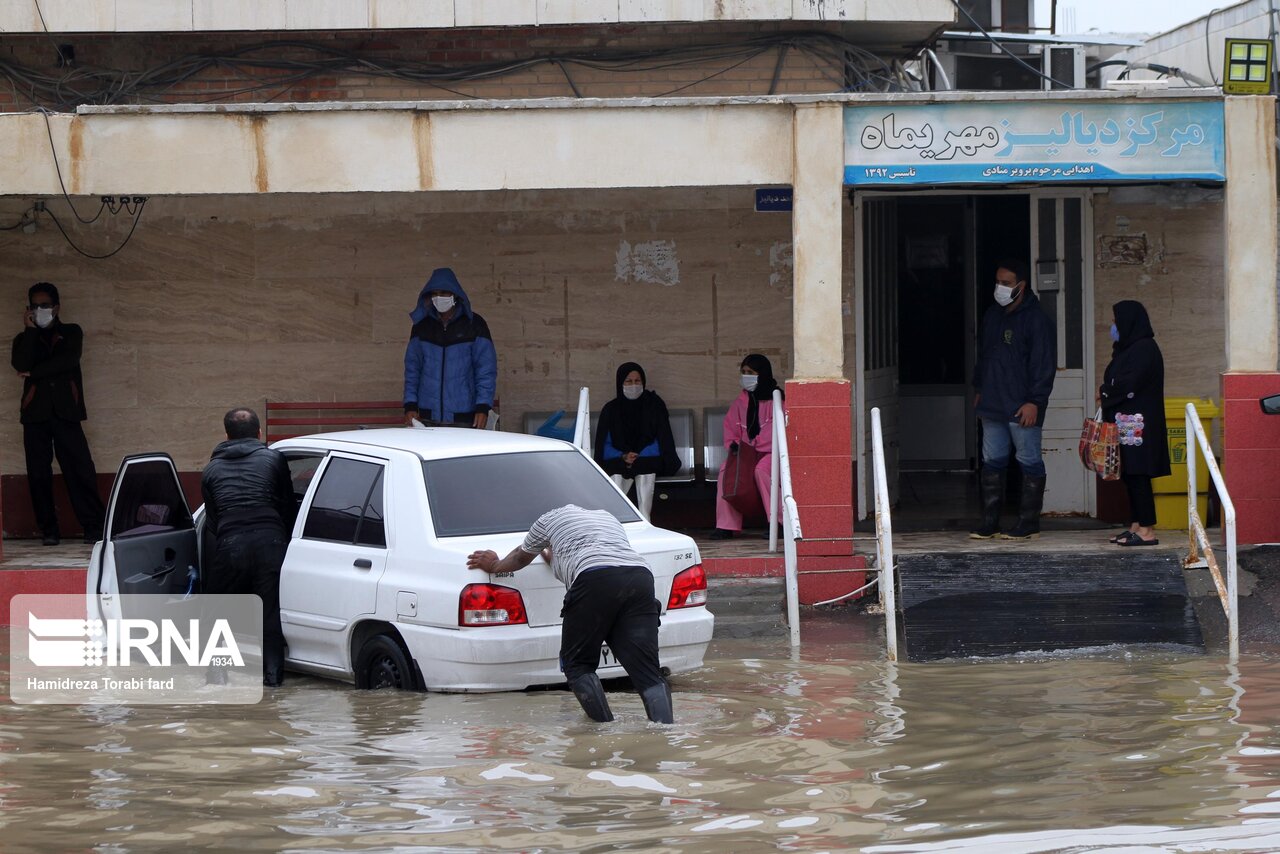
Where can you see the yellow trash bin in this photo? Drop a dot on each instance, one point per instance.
(1171, 491)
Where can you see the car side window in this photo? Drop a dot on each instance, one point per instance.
(302, 470)
(149, 500)
(343, 500)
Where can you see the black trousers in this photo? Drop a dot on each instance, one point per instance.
(248, 560)
(615, 605)
(65, 439)
(1142, 500)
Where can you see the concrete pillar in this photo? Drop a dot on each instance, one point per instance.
(820, 415)
(1251, 440)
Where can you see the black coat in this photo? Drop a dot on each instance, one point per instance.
(1133, 385)
(1017, 360)
(247, 485)
(52, 358)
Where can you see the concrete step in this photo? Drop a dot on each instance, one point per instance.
(747, 607)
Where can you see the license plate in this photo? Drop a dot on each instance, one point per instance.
(606, 657)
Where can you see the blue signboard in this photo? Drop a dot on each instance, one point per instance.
(1033, 142)
(773, 199)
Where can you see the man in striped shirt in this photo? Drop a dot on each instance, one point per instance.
(610, 598)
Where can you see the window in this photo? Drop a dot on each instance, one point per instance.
(506, 493)
(347, 507)
(149, 500)
(302, 470)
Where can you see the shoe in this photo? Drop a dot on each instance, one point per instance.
(721, 534)
(590, 694)
(657, 703)
(991, 491)
(1134, 540)
(272, 664)
(1119, 538)
(50, 540)
(1030, 504)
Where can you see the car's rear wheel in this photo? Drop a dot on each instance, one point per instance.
(383, 664)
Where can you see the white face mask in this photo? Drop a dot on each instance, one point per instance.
(749, 381)
(43, 317)
(1004, 293)
(631, 392)
(442, 304)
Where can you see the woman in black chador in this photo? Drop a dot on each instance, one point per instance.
(633, 438)
(1132, 396)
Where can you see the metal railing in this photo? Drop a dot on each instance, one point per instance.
(781, 497)
(582, 424)
(884, 537)
(1200, 540)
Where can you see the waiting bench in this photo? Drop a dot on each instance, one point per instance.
(682, 421)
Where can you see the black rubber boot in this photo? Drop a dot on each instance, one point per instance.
(1030, 505)
(657, 703)
(991, 493)
(273, 665)
(590, 694)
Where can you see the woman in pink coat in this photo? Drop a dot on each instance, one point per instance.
(749, 421)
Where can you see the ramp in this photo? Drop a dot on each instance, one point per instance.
(997, 603)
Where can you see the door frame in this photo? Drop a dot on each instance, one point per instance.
(860, 416)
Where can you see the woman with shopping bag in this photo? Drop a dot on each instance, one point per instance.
(745, 478)
(1132, 398)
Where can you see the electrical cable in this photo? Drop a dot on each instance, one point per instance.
(136, 219)
(1005, 50)
(53, 150)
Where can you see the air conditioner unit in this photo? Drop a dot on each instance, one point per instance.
(1064, 63)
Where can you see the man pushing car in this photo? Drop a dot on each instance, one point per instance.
(609, 599)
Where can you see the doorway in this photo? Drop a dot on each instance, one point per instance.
(925, 265)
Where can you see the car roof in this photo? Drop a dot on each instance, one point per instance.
(429, 443)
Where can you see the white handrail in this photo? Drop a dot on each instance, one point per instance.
(1200, 540)
(781, 489)
(884, 536)
(582, 424)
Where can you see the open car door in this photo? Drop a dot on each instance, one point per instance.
(149, 541)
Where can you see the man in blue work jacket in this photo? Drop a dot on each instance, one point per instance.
(1013, 377)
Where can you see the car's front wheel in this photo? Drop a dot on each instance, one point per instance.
(383, 664)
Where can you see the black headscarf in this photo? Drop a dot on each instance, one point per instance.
(763, 391)
(1132, 323)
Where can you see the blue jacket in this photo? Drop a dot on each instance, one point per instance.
(450, 371)
(1017, 360)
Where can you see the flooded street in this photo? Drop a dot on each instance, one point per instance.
(838, 750)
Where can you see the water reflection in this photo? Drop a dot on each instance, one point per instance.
(835, 750)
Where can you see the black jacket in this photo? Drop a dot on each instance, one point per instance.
(52, 358)
(1133, 385)
(1017, 360)
(247, 485)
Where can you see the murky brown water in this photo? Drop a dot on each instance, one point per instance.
(836, 751)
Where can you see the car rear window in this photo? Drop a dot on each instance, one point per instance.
(505, 493)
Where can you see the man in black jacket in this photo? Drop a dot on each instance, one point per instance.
(249, 511)
(1013, 378)
(46, 354)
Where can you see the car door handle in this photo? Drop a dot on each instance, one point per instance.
(363, 563)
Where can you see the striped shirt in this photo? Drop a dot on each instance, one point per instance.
(580, 540)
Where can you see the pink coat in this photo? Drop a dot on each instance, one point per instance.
(735, 424)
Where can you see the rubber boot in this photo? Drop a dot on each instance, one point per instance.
(590, 694)
(1029, 507)
(272, 664)
(991, 494)
(657, 703)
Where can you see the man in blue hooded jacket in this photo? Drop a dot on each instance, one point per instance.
(1013, 378)
(450, 365)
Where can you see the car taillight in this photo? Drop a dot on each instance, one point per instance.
(490, 605)
(688, 588)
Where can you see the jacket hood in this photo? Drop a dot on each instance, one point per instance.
(442, 279)
(1132, 322)
(234, 449)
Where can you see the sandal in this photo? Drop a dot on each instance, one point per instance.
(1119, 538)
(1134, 540)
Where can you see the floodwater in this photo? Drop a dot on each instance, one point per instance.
(1158, 750)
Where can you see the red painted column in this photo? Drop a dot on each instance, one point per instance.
(1251, 455)
(820, 441)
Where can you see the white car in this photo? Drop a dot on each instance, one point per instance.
(375, 588)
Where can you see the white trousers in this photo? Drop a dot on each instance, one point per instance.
(644, 490)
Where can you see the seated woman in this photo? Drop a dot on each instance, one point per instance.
(633, 437)
(749, 421)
